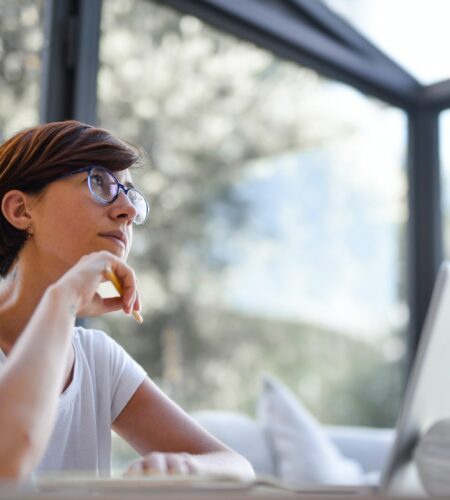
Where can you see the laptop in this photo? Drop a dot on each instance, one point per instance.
(424, 400)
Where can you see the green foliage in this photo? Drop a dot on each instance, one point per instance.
(204, 106)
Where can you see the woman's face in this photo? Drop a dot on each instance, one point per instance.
(67, 222)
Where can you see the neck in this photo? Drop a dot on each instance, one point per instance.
(20, 293)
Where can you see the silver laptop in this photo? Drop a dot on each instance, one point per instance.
(424, 401)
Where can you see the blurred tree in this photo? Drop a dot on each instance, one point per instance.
(21, 39)
(203, 106)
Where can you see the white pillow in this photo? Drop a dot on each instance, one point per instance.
(304, 454)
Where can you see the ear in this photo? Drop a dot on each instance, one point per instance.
(15, 208)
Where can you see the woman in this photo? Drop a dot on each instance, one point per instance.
(67, 208)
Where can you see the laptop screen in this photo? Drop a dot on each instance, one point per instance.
(424, 402)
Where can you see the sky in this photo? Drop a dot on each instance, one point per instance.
(414, 33)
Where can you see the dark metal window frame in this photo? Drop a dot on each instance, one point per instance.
(303, 31)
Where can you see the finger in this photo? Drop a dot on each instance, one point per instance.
(176, 465)
(128, 289)
(190, 462)
(132, 302)
(99, 305)
(111, 304)
(135, 469)
(127, 282)
(152, 464)
(155, 463)
(137, 302)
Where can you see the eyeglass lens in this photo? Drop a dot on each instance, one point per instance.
(105, 187)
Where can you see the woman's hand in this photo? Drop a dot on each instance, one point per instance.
(157, 464)
(225, 464)
(82, 280)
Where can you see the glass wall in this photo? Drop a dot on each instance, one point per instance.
(21, 40)
(277, 235)
(444, 129)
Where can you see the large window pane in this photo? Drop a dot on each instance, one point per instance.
(277, 234)
(444, 128)
(21, 39)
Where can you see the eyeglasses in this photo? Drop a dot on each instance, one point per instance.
(105, 188)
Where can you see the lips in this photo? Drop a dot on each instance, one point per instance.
(118, 236)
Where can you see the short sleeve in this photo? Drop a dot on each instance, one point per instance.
(126, 376)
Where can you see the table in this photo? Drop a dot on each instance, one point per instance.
(140, 489)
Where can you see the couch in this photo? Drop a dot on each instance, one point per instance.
(285, 441)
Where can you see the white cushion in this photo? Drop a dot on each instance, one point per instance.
(242, 434)
(304, 454)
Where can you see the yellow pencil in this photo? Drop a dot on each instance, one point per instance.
(113, 278)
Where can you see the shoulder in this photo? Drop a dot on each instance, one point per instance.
(92, 341)
(101, 353)
(110, 365)
(90, 336)
(98, 347)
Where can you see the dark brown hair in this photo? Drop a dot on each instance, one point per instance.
(33, 158)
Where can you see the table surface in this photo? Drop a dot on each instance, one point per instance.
(109, 489)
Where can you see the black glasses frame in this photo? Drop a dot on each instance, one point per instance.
(120, 186)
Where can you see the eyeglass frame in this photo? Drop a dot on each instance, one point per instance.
(121, 186)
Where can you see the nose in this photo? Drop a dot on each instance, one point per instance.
(123, 208)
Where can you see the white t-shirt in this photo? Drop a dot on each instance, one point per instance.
(104, 379)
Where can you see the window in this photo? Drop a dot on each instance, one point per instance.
(444, 128)
(277, 234)
(21, 39)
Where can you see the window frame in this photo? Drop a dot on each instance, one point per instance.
(308, 33)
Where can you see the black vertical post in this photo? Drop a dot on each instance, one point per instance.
(70, 60)
(425, 227)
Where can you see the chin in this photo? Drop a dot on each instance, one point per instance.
(114, 248)
(122, 254)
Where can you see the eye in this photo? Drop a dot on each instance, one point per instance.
(97, 180)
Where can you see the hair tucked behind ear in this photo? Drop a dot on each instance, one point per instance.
(33, 158)
(12, 241)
